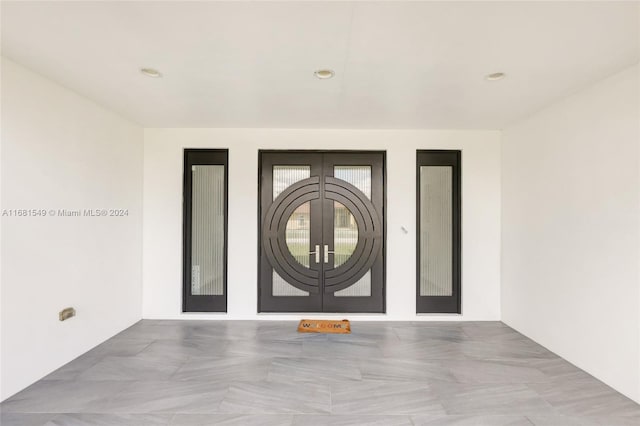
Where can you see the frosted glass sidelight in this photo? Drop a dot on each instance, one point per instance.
(298, 234)
(285, 176)
(345, 234)
(436, 231)
(207, 230)
(362, 288)
(358, 176)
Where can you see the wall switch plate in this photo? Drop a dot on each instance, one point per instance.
(66, 313)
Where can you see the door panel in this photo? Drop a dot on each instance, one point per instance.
(290, 209)
(321, 232)
(354, 192)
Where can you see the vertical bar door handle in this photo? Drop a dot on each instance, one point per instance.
(317, 253)
(326, 253)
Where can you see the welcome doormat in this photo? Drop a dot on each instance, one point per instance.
(324, 326)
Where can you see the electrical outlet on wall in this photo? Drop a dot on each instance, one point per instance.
(66, 313)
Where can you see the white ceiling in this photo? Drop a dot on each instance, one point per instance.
(250, 64)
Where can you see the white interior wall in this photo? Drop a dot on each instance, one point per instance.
(570, 229)
(162, 222)
(62, 151)
(556, 254)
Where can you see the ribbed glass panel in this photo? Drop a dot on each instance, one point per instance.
(436, 225)
(285, 176)
(358, 176)
(345, 230)
(207, 232)
(283, 288)
(298, 234)
(362, 288)
(298, 226)
(345, 234)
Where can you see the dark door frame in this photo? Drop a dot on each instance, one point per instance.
(453, 303)
(261, 261)
(190, 302)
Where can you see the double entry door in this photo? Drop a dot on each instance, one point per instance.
(321, 231)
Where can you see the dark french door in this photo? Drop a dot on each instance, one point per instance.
(321, 232)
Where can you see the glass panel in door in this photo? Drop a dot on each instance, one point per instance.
(298, 229)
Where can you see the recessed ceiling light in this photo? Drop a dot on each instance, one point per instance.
(495, 76)
(324, 74)
(150, 72)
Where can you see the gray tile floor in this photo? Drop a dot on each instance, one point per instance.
(265, 373)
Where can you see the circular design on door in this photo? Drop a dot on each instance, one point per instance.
(367, 249)
(369, 226)
(274, 235)
(345, 234)
(298, 233)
